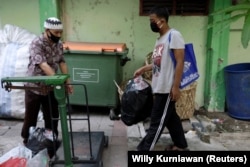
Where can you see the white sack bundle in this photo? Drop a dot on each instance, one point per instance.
(14, 58)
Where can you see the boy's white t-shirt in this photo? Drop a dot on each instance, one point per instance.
(163, 66)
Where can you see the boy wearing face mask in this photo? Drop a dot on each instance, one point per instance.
(46, 57)
(165, 83)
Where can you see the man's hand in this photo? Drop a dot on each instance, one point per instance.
(69, 89)
(138, 72)
(143, 69)
(47, 69)
(175, 93)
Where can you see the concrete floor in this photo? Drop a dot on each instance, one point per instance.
(122, 138)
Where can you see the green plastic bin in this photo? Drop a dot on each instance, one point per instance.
(96, 65)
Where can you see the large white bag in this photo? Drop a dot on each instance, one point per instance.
(18, 152)
(14, 58)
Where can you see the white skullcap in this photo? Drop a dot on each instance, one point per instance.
(53, 23)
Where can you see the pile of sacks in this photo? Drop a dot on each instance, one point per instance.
(14, 58)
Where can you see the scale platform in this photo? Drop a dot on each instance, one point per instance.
(82, 156)
(78, 149)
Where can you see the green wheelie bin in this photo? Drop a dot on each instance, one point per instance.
(97, 65)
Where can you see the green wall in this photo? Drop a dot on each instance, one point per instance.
(22, 13)
(236, 52)
(119, 21)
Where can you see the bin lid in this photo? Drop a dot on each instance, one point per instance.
(94, 46)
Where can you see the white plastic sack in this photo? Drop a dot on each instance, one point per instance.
(138, 83)
(19, 151)
(41, 159)
(14, 58)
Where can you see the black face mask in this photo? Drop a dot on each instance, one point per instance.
(54, 38)
(154, 27)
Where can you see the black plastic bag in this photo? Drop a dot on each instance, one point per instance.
(41, 138)
(136, 101)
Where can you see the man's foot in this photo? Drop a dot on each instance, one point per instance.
(25, 141)
(175, 148)
(169, 147)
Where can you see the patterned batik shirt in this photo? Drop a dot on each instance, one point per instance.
(41, 50)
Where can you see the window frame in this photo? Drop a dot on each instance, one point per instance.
(173, 8)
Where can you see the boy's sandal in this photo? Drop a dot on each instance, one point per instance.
(174, 148)
(181, 149)
(169, 148)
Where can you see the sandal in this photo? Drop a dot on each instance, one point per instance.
(180, 149)
(169, 147)
(175, 148)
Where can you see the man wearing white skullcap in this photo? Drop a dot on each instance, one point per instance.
(54, 29)
(46, 57)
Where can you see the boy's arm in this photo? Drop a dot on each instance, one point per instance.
(179, 57)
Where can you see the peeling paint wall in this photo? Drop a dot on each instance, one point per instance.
(104, 21)
(22, 13)
(236, 53)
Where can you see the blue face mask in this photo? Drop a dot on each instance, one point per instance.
(54, 38)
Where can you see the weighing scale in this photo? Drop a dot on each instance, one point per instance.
(79, 149)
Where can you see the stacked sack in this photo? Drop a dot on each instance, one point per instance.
(14, 58)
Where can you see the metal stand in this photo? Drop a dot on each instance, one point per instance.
(86, 147)
(65, 157)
